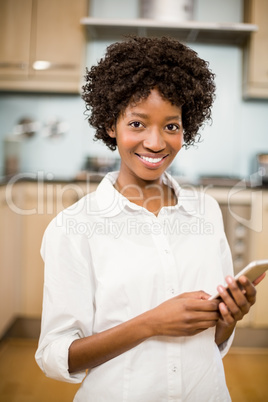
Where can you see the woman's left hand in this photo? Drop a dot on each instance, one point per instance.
(237, 302)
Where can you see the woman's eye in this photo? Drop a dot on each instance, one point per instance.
(172, 127)
(136, 124)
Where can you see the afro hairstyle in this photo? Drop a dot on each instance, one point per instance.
(132, 68)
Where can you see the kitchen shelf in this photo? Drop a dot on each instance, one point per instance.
(189, 31)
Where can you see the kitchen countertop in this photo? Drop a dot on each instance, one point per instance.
(49, 178)
(95, 177)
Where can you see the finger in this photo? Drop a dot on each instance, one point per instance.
(236, 308)
(203, 305)
(199, 294)
(226, 315)
(259, 279)
(242, 291)
(249, 288)
(196, 317)
(201, 325)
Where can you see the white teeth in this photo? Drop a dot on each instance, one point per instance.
(151, 160)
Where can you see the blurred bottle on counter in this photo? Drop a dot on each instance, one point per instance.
(25, 129)
(12, 146)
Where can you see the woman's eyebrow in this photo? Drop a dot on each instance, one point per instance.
(136, 114)
(175, 117)
(145, 116)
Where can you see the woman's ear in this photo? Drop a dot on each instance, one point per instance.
(111, 131)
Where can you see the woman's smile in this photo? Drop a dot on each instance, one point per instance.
(152, 161)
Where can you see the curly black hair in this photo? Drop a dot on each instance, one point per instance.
(132, 68)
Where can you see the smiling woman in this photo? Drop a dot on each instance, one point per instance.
(123, 312)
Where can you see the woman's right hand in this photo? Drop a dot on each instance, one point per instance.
(184, 315)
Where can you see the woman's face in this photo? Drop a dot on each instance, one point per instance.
(149, 134)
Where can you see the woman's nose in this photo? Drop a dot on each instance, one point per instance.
(154, 140)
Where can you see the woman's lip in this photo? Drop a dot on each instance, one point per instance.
(152, 160)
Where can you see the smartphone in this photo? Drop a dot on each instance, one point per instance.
(252, 271)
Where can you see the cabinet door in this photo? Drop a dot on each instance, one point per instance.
(43, 45)
(256, 60)
(15, 31)
(59, 40)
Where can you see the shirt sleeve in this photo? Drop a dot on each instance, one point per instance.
(67, 300)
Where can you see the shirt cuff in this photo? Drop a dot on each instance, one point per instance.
(225, 346)
(54, 361)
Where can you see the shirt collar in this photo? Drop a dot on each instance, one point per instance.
(111, 202)
(188, 200)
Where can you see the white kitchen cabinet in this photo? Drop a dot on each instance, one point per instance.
(42, 45)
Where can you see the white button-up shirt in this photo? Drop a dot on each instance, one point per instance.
(108, 260)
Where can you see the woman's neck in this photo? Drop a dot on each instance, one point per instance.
(151, 196)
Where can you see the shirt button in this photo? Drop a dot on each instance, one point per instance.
(174, 369)
(172, 291)
(166, 251)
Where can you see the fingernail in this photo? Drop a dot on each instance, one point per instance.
(220, 289)
(229, 279)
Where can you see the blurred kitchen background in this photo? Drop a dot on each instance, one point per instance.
(48, 158)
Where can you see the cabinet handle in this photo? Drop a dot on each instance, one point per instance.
(20, 65)
(47, 65)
